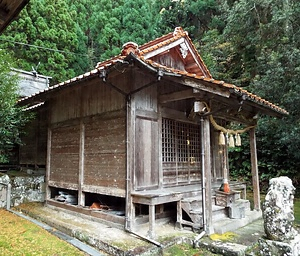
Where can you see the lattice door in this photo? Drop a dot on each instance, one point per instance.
(181, 157)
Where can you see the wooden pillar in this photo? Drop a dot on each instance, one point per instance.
(207, 174)
(151, 232)
(254, 170)
(130, 207)
(160, 160)
(179, 215)
(48, 164)
(81, 197)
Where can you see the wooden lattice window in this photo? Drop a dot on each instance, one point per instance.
(180, 142)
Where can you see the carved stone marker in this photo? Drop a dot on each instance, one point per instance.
(278, 213)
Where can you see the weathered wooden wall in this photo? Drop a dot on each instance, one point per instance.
(104, 152)
(88, 139)
(147, 154)
(32, 152)
(146, 163)
(217, 156)
(64, 160)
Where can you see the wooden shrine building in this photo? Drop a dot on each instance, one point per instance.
(144, 134)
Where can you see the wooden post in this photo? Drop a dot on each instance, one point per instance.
(130, 207)
(179, 215)
(207, 172)
(254, 170)
(81, 196)
(48, 164)
(151, 232)
(160, 160)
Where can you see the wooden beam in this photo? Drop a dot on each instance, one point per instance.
(164, 48)
(196, 58)
(207, 88)
(176, 115)
(109, 191)
(254, 170)
(62, 184)
(191, 66)
(179, 95)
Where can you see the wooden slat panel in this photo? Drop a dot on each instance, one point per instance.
(65, 154)
(217, 158)
(94, 99)
(146, 99)
(100, 98)
(33, 150)
(66, 105)
(105, 155)
(146, 163)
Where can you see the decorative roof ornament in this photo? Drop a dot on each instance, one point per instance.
(130, 47)
(184, 50)
(178, 31)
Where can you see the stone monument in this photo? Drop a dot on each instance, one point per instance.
(278, 213)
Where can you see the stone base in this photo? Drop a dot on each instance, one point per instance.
(236, 212)
(272, 248)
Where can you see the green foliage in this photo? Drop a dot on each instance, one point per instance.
(251, 43)
(140, 23)
(105, 27)
(297, 211)
(259, 48)
(185, 250)
(47, 24)
(12, 117)
(239, 161)
(193, 16)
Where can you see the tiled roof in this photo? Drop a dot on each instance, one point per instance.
(139, 53)
(236, 89)
(169, 38)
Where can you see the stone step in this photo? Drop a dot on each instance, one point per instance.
(194, 202)
(224, 225)
(193, 207)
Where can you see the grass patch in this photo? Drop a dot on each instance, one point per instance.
(21, 237)
(186, 250)
(297, 211)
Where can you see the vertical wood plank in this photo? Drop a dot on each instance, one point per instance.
(130, 207)
(160, 169)
(254, 170)
(81, 199)
(179, 215)
(146, 148)
(207, 172)
(151, 232)
(48, 165)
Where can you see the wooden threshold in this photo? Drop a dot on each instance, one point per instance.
(98, 215)
(165, 195)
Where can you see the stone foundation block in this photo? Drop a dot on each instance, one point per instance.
(276, 248)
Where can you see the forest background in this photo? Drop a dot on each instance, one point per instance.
(253, 44)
